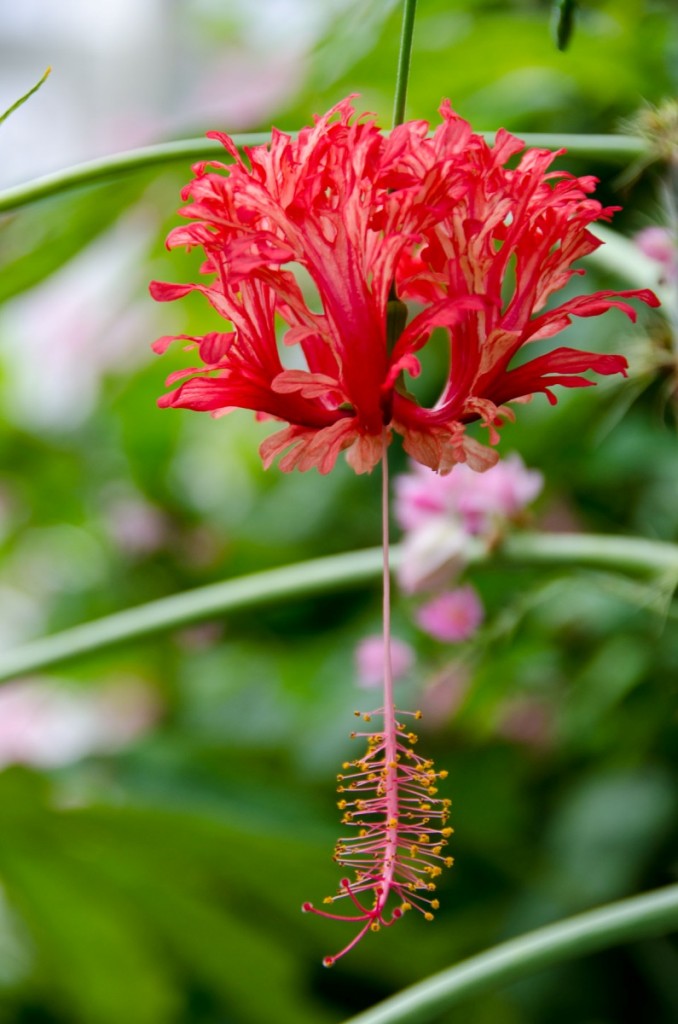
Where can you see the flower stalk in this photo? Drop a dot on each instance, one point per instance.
(403, 72)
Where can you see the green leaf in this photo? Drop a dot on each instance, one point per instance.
(36, 242)
(163, 900)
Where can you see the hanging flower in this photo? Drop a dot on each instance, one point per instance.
(378, 222)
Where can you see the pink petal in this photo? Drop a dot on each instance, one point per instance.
(453, 616)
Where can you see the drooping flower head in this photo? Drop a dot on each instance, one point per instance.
(397, 236)
(432, 227)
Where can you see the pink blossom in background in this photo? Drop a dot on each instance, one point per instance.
(658, 243)
(135, 526)
(478, 500)
(444, 694)
(452, 616)
(526, 721)
(78, 325)
(48, 724)
(432, 555)
(369, 660)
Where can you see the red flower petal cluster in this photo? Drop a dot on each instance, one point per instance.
(377, 221)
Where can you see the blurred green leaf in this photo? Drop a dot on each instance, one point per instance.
(37, 241)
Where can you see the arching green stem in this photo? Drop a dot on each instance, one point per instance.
(652, 914)
(322, 575)
(612, 148)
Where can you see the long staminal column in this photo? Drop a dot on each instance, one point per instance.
(388, 798)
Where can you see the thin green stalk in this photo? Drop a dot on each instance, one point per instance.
(639, 917)
(26, 96)
(613, 148)
(403, 72)
(322, 575)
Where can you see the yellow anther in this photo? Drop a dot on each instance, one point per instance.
(329, 899)
(449, 861)
(435, 904)
(447, 831)
(375, 926)
(424, 807)
(341, 804)
(434, 872)
(418, 715)
(393, 823)
(443, 774)
(412, 737)
(431, 790)
(414, 851)
(428, 916)
(363, 832)
(424, 839)
(436, 850)
(346, 765)
(405, 907)
(367, 718)
(431, 887)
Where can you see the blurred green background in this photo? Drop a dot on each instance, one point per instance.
(155, 876)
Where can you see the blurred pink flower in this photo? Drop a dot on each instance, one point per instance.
(658, 243)
(444, 694)
(432, 555)
(136, 526)
(369, 660)
(47, 724)
(526, 721)
(452, 616)
(478, 500)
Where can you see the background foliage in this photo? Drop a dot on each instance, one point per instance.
(162, 883)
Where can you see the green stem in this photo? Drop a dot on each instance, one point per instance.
(404, 56)
(26, 96)
(614, 148)
(620, 554)
(653, 914)
(110, 167)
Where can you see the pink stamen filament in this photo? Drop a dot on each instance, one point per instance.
(397, 850)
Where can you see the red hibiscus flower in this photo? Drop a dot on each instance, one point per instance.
(437, 222)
